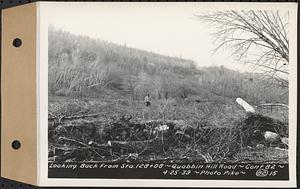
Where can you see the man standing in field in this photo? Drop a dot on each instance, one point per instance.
(147, 100)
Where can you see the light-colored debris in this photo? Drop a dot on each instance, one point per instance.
(260, 146)
(271, 136)
(162, 127)
(245, 105)
(285, 140)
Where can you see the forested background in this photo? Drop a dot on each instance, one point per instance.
(84, 67)
(96, 109)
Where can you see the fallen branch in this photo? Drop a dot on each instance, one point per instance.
(143, 146)
(167, 159)
(72, 117)
(74, 141)
(78, 142)
(189, 149)
(274, 104)
(52, 118)
(80, 116)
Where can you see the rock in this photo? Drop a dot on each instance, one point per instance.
(260, 146)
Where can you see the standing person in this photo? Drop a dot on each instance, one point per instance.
(147, 100)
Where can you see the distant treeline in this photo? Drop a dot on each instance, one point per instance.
(84, 67)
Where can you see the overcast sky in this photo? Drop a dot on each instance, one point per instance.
(165, 29)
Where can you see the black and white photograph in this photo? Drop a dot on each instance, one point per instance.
(161, 91)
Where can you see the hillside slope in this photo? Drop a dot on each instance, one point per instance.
(80, 66)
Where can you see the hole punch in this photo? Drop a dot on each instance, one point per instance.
(16, 144)
(17, 42)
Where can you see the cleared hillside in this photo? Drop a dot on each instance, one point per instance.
(97, 111)
(80, 66)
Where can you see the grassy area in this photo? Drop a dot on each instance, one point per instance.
(216, 113)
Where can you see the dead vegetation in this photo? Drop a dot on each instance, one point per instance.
(96, 110)
(83, 130)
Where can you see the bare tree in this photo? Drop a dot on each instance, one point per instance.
(259, 38)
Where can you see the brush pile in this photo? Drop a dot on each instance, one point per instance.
(97, 138)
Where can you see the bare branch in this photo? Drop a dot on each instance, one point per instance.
(256, 37)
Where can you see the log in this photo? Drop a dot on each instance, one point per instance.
(145, 146)
(100, 151)
(274, 104)
(60, 119)
(247, 107)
